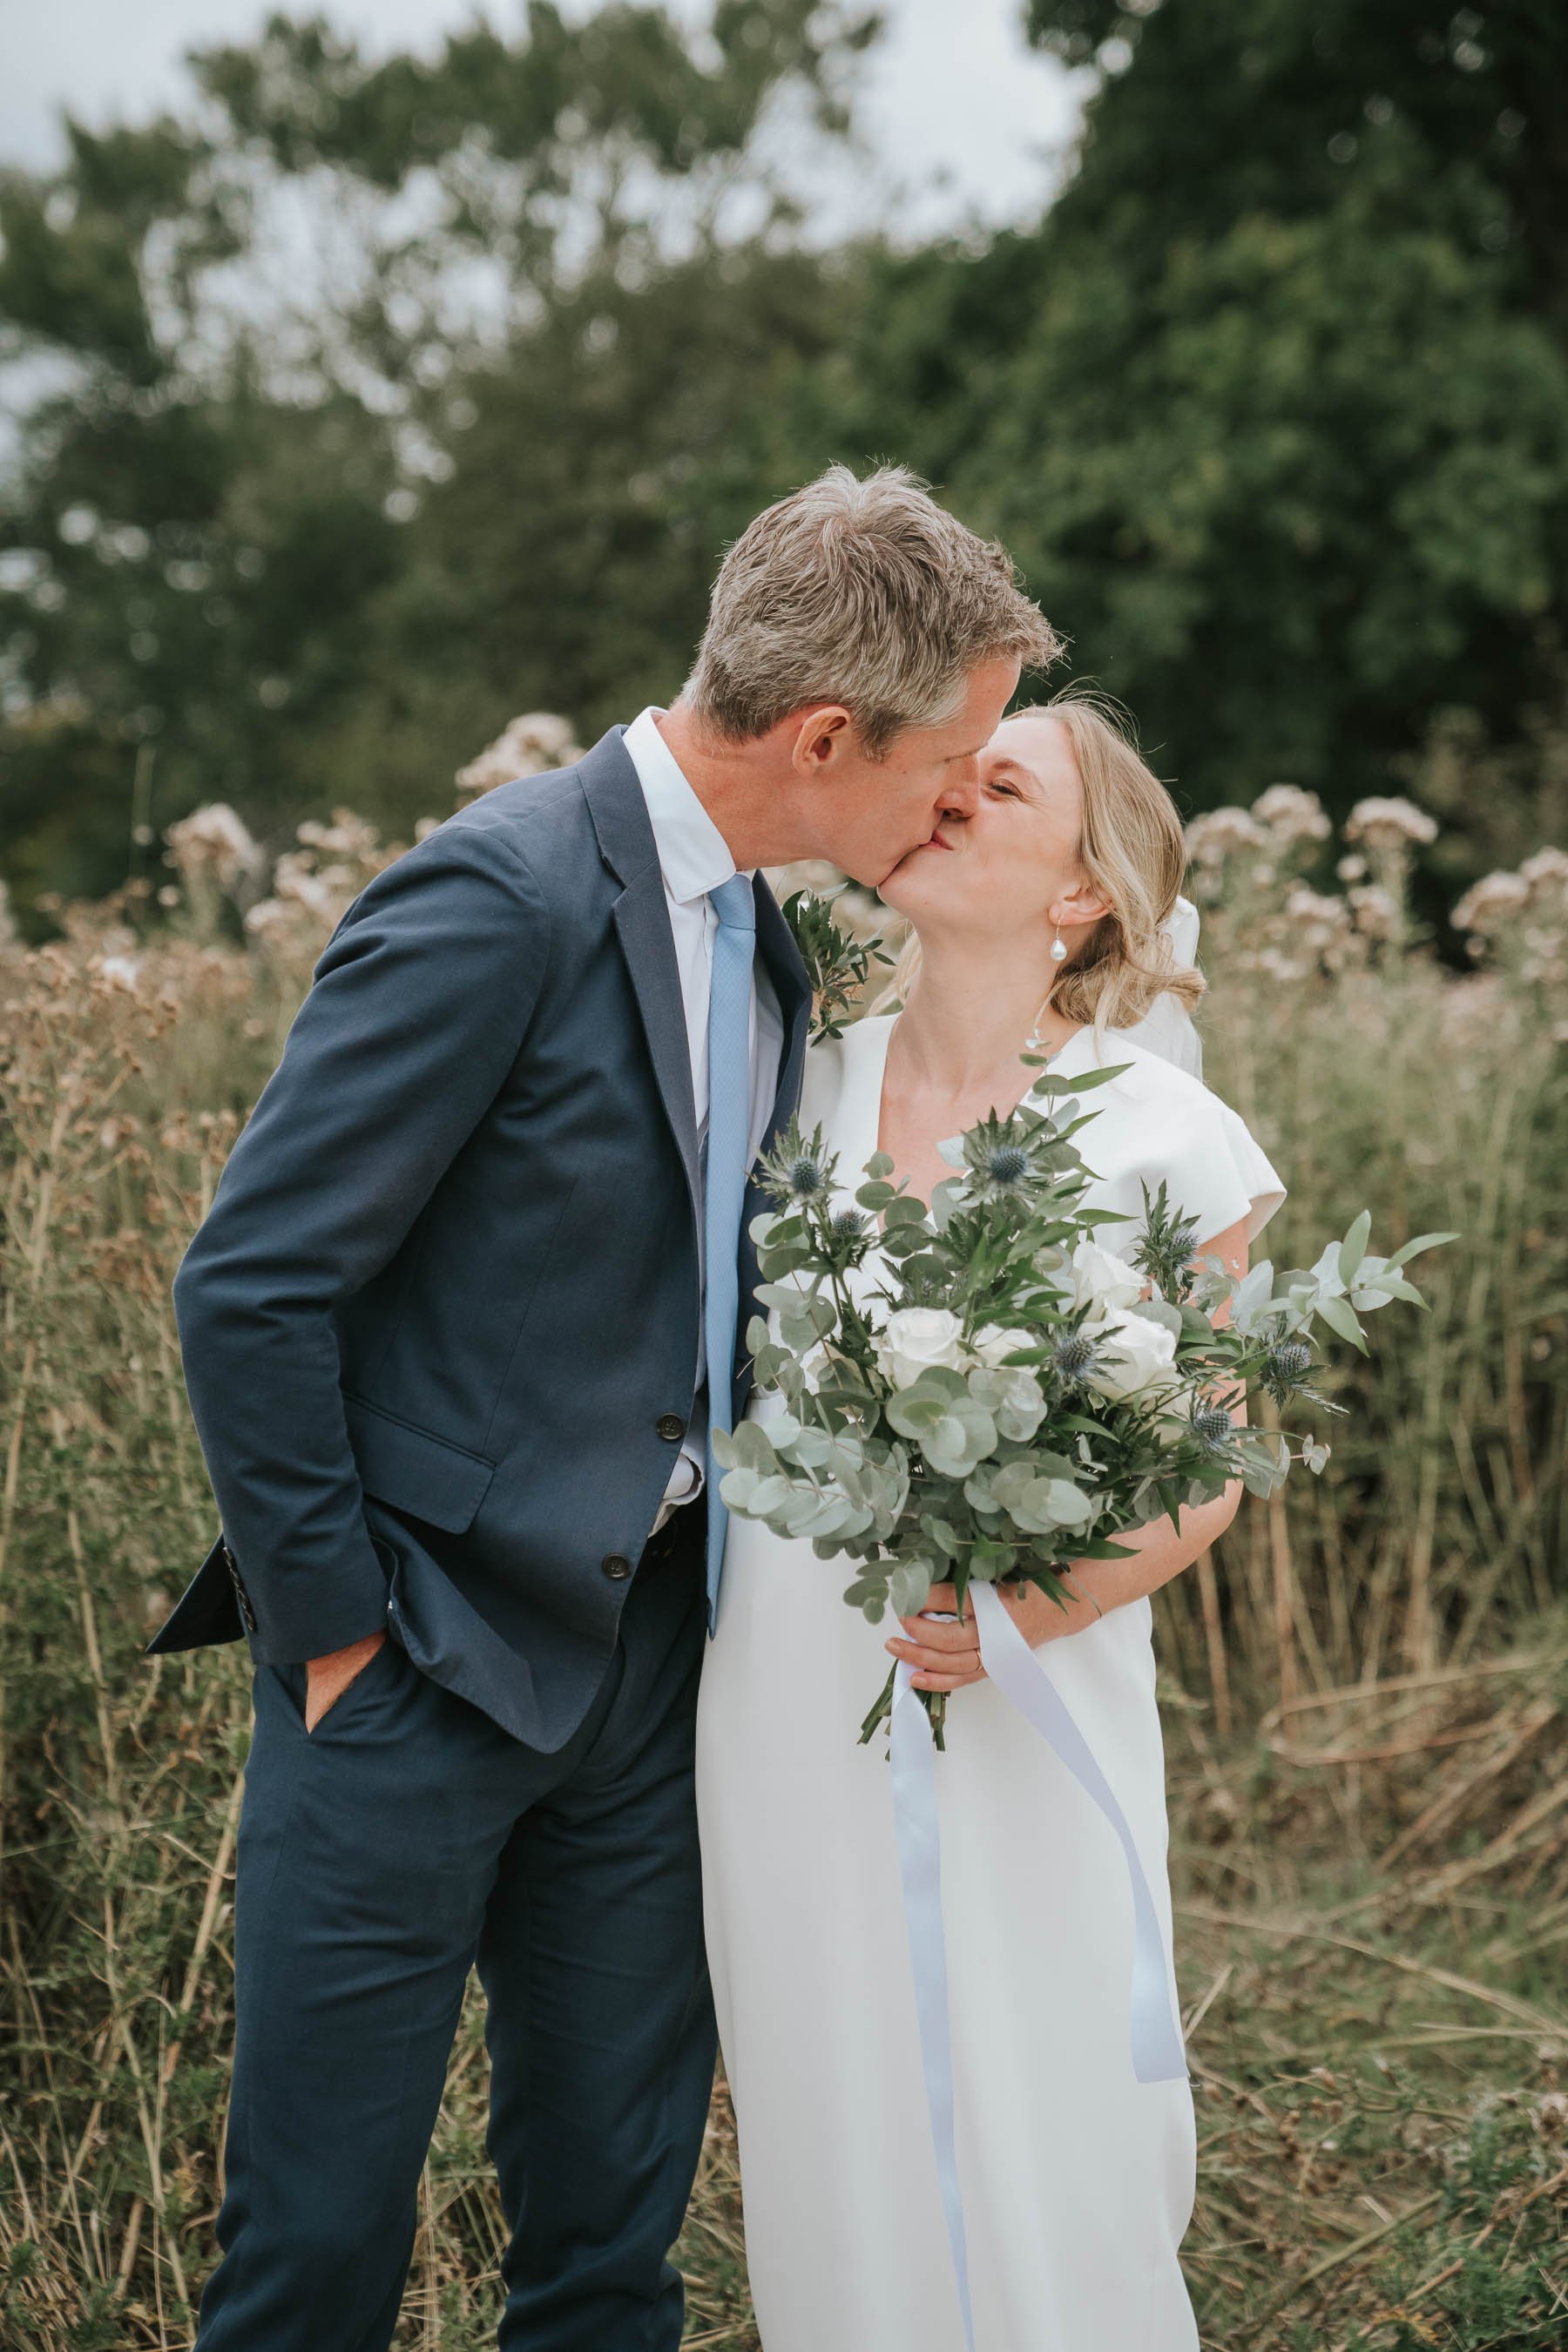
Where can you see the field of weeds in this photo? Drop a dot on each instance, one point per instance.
(1363, 1688)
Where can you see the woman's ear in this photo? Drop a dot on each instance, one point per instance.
(1082, 904)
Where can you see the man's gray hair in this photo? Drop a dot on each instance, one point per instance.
(863, 592)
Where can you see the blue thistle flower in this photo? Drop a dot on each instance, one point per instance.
(998, 1158)
(1213, 1426)
(1075, 1356)
(1291, 1359)
(848, 1225)
(805, 1178)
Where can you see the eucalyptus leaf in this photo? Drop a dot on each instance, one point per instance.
(1421, 1242)
(1353, 1249)
(1339, 1317)
(768, 1496)
(753, 1447)
(915, 1412)
(1160, 1311)
(910, 1587)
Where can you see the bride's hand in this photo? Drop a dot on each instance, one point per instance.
(947, 1657)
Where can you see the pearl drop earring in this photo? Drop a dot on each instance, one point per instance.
(1058, 947)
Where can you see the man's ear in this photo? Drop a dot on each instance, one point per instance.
(822, 734)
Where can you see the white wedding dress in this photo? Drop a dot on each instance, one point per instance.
(1078, 2180)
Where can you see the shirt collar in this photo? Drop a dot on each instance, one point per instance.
(693, 855)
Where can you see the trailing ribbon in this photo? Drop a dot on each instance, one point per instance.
(913, 1751)
(1158, 2055)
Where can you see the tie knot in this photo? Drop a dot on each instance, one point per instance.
(734, 905)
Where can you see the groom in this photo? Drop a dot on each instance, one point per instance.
(473, 1290)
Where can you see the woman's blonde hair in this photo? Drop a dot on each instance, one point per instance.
(1133, 855)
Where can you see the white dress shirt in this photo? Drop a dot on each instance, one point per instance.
(694, 859)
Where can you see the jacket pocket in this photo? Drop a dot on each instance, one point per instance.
(415, 1471)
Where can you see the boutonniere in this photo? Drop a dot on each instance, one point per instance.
(837, 964)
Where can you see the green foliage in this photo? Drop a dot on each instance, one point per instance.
(313, 548)
(1016, 1403)
(837, 964)
(1272, 406)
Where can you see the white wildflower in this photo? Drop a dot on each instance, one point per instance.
(1219, 833)
(527, 746)
(1291, 814)
(1490, 904)
(213, 841)
(1389, 823)
(1375, 909)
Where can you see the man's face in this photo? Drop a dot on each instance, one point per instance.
(873, 813)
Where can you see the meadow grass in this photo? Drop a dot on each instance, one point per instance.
(1362, 1689)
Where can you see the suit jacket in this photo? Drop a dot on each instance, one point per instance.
(440, 1325)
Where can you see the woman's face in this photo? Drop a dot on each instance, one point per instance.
(1013, 865)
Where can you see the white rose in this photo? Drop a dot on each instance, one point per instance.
(1021, 1391)
(991, 1343)
(1103, 1281)
(1145, 1353)
(917, 1337)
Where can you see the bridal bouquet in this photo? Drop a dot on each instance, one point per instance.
(983, 1389)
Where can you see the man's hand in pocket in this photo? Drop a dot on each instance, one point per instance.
(326, 1679)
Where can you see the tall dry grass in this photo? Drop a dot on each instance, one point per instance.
(1364, 1686)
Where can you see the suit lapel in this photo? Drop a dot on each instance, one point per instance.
(642, 919)
(775, 945)
(620, 817)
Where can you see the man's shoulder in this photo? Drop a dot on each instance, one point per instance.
(541, 821)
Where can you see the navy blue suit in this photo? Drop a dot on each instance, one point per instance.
(439, 1330)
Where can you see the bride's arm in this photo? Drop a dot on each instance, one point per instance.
(946, 1658)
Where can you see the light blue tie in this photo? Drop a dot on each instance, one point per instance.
(724, 1185)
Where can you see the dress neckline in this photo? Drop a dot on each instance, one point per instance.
(860, 1112)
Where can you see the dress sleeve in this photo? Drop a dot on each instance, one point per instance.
(1219, 1172)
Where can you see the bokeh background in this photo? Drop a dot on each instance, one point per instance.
(378, 391)
(411, 367)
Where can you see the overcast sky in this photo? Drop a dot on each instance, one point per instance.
(967, 121)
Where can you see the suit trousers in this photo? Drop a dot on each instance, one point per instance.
(406, 1840)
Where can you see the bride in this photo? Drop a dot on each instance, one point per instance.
(1040, 916)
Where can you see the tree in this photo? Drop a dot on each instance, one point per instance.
(1273, 407)
(270, 329)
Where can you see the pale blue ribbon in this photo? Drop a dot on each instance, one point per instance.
(1158, 2055)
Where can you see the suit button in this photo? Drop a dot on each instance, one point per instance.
(617, 1565)
(670, 1425)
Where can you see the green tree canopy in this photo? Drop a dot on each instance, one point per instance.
(1273, 407)
(272, 333)
(383, 401)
